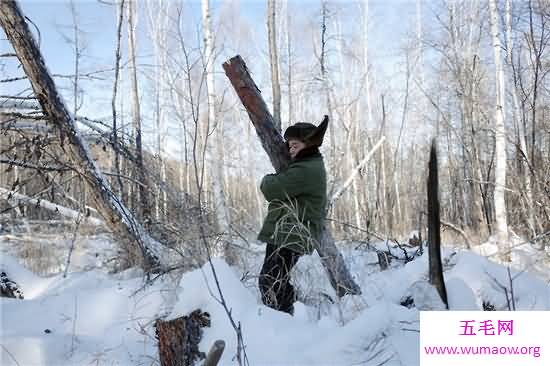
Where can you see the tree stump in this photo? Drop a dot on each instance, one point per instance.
(179, 339)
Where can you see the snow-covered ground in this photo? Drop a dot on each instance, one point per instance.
(92, 317)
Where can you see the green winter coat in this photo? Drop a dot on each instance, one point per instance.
(297, 200)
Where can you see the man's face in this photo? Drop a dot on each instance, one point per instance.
(294, 147)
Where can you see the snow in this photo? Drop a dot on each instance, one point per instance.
(99, 318)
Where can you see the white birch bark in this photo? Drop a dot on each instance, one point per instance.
(158, 17)
(355, 171)
(288, 40)
(18, 198)
(501, 227)
(220, 205)
(530, 214)
(274, 61)
(366, 60)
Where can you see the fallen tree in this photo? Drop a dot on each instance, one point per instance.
(117, 217)
(273, 144)
(12, 196)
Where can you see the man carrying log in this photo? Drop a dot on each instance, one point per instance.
(332, 260)
(297, 202)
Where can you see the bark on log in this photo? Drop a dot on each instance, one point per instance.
(178, 339)
(434, 234)
(118, 218)
(273, 144)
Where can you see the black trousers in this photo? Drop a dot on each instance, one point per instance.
(274, 280)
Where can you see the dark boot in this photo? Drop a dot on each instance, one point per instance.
(274, 280)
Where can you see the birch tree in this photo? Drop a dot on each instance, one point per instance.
(144, 201)
(501, 228)
(115, 91)
(366, 61)
(520, 127)
(222, 212)
(288, 41)
(274, 61)
(158, 19)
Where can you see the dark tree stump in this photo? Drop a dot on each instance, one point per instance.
(179, 339)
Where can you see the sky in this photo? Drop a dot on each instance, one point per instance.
(390, 23)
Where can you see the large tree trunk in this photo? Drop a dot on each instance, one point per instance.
(500, 141)
(273, 144)
(119, 219)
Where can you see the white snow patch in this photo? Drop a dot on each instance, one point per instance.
(98, 318)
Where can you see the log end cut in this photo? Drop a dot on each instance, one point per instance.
(179, 339)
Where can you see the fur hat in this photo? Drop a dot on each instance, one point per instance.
(308, 133)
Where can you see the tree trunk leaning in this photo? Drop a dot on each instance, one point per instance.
(118, 218)
(272, 142)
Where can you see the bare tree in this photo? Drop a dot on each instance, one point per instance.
(274, 61)
(366, 61)
(221, 209)
(529, 210)
(500, 139)
(144, 200)
(114, 98)
(158, 17)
